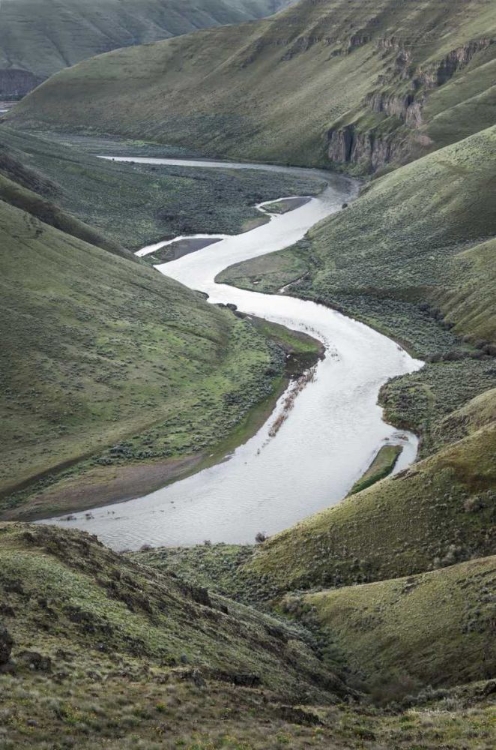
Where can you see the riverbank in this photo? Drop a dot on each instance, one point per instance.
(137, 204)
(84, 486)
(169, 250)
(334, 427)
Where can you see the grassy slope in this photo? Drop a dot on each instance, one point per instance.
(382, 465)
(275, 89)
(400, 635)
(120, 354)
(438, 512)
(124, 656)
(136, 205)
(43, 37)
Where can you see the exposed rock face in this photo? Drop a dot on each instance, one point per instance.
(441, 72)
(15, 83)
(367, 149)
(370, 150)
(6, 643)
(407, 108)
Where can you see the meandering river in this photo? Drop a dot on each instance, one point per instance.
(327, 442)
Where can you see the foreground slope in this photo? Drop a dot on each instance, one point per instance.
(357, 83)
(98, 648)
(97, 651)
(39, 38)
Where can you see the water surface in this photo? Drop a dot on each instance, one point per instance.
(330, 437)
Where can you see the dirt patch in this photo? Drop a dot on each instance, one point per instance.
(103, 486)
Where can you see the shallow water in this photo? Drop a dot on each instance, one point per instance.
(330, 437)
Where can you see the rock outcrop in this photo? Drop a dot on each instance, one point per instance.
(6, 643)
(368, 147)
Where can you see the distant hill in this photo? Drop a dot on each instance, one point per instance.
(353, 83)
(40, 37)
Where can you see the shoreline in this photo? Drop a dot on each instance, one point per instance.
(119, 484)
(104, 486)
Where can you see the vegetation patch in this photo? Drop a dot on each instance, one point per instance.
(382, 465)
(133, 205)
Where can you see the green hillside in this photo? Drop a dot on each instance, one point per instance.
(359, 84)
(369, 625)
(40, 38)
(97, 651)
(402, 635)
(438, 512)
(105, 361)
(414, 257)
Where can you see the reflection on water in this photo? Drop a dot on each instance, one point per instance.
(329, 439)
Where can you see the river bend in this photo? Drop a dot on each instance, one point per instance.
(330, 437)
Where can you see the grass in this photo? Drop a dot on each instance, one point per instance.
(406, 563)
(382, 465)
(108, 653)
(400, 636)
(361, 85)
(411, 243)
(413, 256)
(36, 44)
(133, 205)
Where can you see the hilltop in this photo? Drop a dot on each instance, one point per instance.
(356, 84)
(37, 40)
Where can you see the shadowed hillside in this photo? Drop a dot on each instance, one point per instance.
(404, 634)
(356, 83)
(40, 38)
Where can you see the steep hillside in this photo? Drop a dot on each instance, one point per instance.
(355, 83)
(40, 38)
(101, 647)
(401, 635)
(104, 359)
(134, 205)
(421, 234)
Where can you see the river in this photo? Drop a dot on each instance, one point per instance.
(331, 435)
